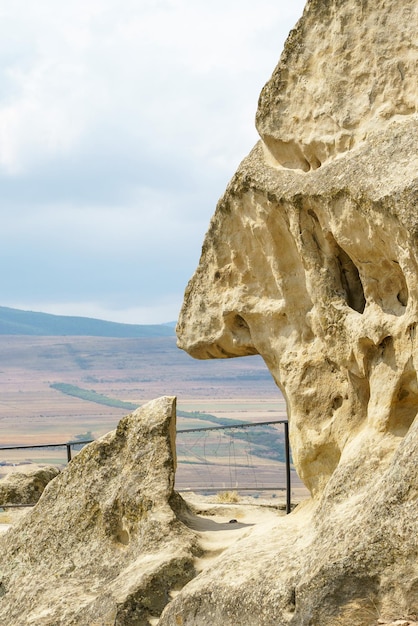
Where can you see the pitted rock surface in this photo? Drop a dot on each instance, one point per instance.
(311, 261)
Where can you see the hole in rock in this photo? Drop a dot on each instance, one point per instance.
(239, 342)
(351, 282)
(289, 154)
(345, 274)
(390, 287)
(337, 402)
(385, 343)
(315, 163)
(403, 297)
(313, 214)
(123, 536)
(292, 600)
(405, 404)
(348, 276)
(239, 322)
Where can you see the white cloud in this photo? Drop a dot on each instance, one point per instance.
(120, 125)
(168, 73)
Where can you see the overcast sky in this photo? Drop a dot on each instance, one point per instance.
(120, 126)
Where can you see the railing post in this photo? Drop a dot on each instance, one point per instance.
(68, 452)
(287, 458)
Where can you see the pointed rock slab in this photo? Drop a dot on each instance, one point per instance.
(311, 261)
(103, 545)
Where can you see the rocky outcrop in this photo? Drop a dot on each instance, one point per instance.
(348, 560)
(104, 544)
(26, 487)
(311, 261)
(346, 71)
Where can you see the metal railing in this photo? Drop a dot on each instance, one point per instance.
(69, 444)
(252, 425)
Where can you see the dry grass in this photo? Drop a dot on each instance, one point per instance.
(230, 497)
(12, 515)
(364, 612)
(359, 612)
(5, 517)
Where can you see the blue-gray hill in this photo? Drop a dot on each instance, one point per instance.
(18, 322)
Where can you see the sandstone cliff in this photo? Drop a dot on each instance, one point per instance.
(311, 261)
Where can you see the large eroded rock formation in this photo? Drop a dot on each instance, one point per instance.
(311, 261)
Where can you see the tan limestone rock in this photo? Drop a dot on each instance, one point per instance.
(311, 261)
(347, 69)
(104, 544)
(26, 487)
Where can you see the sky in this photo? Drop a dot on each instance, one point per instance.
(121, 124)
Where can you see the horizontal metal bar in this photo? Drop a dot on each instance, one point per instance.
(258, 488)
(68, 445)
(48, 445)
(244, 425)
(179, 432)
(14, 506)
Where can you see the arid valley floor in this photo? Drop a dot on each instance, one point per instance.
(136, 370)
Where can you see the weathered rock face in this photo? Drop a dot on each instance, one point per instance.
(311, 260)
(345, 561)
(103, 545)
(346, 70)
(26, 487)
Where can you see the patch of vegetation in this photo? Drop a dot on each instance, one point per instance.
(207, 417)
(227, 496)
(266, 441)
(83, 436)
(92, 396)
(79, 441)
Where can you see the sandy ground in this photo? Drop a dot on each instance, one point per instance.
(10, 517)
(218, 524)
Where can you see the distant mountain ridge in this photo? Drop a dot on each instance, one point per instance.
(18, 322)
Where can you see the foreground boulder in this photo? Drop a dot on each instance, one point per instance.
(26, 487)
(311, 261)
(103, 545)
